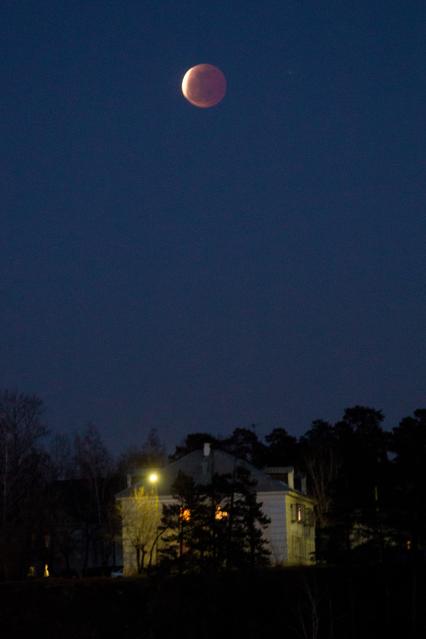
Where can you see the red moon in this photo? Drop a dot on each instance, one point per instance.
(204, 85)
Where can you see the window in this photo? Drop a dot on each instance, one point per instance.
(220, 514)
(184, 514)
(298, 513)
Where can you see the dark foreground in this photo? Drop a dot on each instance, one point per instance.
(317, 603)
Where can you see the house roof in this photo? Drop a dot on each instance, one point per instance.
(201, 468)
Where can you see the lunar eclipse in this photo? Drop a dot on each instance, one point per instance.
(204, 85)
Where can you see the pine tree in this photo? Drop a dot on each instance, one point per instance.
(182, 524)
(246, 545)
(217, 525)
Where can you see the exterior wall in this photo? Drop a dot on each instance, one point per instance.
(129, 555)
(291, 542)
(300, 534)
(273, 506)
(128, 550)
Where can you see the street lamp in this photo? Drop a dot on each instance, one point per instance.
(153, 478)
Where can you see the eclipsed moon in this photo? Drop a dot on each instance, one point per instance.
(204, 85)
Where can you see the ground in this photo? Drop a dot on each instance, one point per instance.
(345, 603)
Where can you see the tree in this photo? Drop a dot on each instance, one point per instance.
(181, 523)
(153, 449)
(282, 450)
(82, 519)
(244, 444)
(347, 469)
(361, 445)
(217, 525)
(152, 453)
(93, 463)
(62, 457)
(246, 546)
(408, 442)
(141, 516)
(321, 462)
(95, 470)
(23, 473)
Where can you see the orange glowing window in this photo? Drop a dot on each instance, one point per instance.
(220, 514)
(185, 514)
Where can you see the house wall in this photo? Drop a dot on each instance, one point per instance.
(273, 506)
(291, 542)
(128, 550)
(300, 534)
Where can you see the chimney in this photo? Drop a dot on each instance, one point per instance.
(206, 449)
(129, 480)
(282, 473)
(290, 477)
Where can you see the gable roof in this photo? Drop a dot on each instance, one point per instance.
(202, 468)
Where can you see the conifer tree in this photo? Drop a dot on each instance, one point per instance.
(217, 525)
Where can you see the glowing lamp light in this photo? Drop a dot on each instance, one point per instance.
(153, 478)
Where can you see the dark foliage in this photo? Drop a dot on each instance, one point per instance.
(348, 603)
(214, 526)
(59, 507)
(24, 470)
(408, 514)
(151, 454)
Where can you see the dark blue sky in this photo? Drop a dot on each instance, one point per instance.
(260, 262)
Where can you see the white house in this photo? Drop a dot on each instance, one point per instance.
(290, 534)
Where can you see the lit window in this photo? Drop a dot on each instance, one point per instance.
(297, 513)
(184, 514)
(220, 514)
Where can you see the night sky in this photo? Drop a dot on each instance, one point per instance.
(260, 262)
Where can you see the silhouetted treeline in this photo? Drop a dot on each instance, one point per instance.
(368, 483)
(57, 493)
